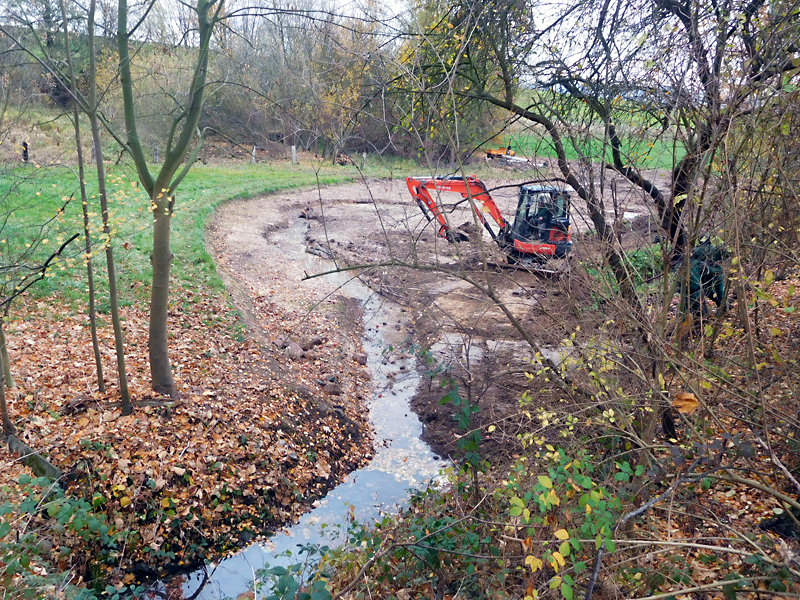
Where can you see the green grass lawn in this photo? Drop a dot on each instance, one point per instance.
(32, 228)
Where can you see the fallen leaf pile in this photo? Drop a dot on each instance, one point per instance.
(257, 435)
(743, 413)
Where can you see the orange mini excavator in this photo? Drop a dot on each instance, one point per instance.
(541, 228)
(500, 152)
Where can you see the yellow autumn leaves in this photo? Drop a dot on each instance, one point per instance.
(555, 559)
(166, 503)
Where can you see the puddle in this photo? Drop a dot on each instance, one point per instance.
(402, 462)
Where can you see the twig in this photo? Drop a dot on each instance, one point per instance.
(778, 463)
(362, 572)
(632, 514)
(458, 553)
(759, 486)
(41, 270)
(598, 562)
(709, 586)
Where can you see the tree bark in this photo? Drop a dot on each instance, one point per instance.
(161, 259)
(7, 375)
(119, 342)
(40, 466)
(161, 189)
(101, 385)
(8, 426)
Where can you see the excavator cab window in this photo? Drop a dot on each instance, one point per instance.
(536, 212)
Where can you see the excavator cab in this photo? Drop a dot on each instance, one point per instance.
(541, 223)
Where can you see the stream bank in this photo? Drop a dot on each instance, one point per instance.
(401, 461)
(265, 244)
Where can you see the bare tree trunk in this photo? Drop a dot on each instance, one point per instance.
(101, 385)
(7, 375)
(92, 305)
(161, 259)
(101, 182)
(8, 426)
(161, 188)
(287, 137)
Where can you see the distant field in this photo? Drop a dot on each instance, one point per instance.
(658, 154)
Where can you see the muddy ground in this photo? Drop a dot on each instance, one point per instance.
(373, 230)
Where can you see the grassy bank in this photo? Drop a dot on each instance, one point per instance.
(33, 195)
(132, 505)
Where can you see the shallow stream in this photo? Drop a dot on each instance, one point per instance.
(402, 461)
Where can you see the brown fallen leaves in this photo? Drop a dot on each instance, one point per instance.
(251, 443)
(747, 416)
(685, 403)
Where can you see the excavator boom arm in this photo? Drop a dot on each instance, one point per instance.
(471, 189)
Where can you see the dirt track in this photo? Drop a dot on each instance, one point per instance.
(369, 224)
